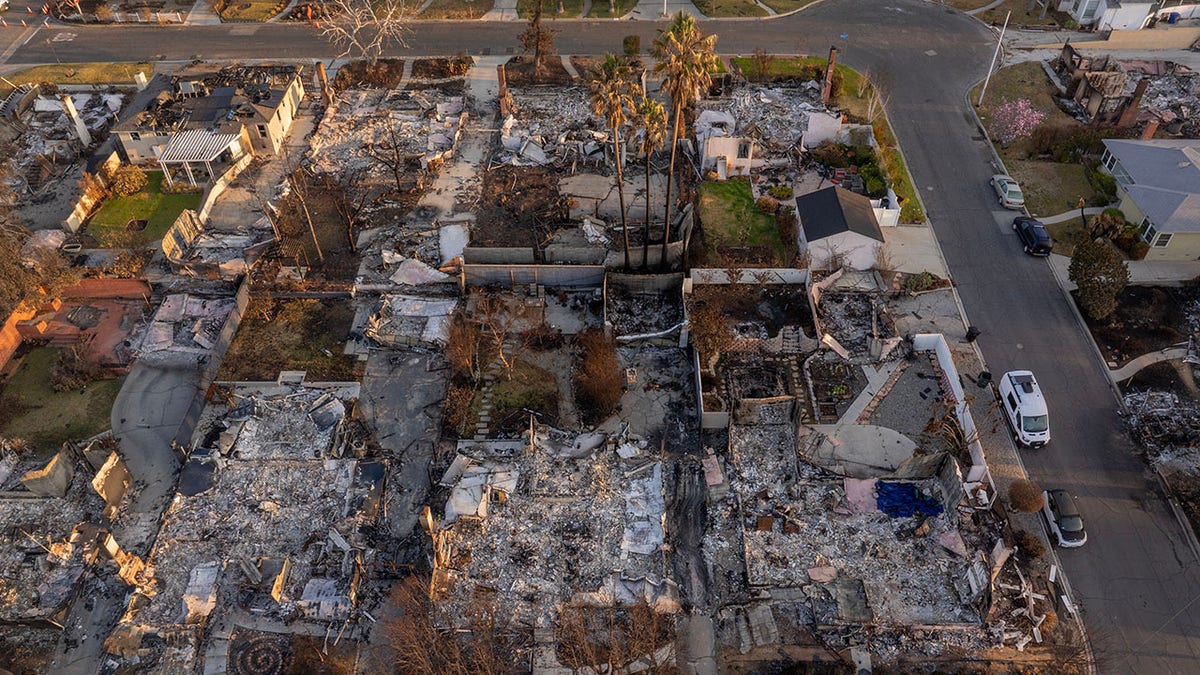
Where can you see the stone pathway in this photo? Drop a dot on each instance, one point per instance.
(502, 10)
(202, 14)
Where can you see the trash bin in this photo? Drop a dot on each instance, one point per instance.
(984, 379)
(1173, 18)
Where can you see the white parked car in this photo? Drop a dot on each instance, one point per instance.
(1024, 408)
(1062, 515)
(1008, 191)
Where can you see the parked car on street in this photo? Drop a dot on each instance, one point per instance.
(1033, 236)
(1008, 191)
(1024, 408)
(1063, 518)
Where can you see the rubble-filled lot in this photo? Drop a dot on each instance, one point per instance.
(293, 495)
(292, 334)
(566, 517)
(1147, 319)
(47, 547)
(520, 207)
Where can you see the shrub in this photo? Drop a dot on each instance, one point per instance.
(1100, 275)
(780, 191)
(1025, 496)
(787, 222)
(916, 283)
(767, 204)
(599, 382)
(1105, 185)
(1029, 543)
(463, 347)
(128, 180)
(542, 337)
(456, 409)
(72, 371)
(708, 327)
(831, 154)
(632, 45)
(873, 180)
(1013, 120)
(1139, 250)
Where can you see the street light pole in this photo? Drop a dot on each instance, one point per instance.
(996, 55)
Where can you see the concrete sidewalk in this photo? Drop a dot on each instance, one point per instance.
(1141, 272)
(914, 249)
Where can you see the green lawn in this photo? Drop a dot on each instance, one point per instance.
(51, 418)
(457, 9)
(730, 218)
(600, 9)
(78, 73)
(108, 226)
(252, 10)
(723, 8)
(570, 9)
(1049, 187)
(785, 6)
(1021, 15)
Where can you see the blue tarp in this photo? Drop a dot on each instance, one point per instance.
(903, 500)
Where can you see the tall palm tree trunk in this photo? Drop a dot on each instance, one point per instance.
(621, 194)
(646, 234)
(662, 263)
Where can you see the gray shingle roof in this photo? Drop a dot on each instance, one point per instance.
(835, 210)
(1166, 164)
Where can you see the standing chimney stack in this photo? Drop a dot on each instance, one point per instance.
(828, 86)
(81, 129)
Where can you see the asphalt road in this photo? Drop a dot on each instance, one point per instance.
(1136, 578)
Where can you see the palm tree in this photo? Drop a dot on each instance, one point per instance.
(686, 60)
(651, 119)
(613, 90)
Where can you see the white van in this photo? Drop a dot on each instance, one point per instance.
(1025, 408)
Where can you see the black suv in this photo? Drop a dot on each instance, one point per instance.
(1033, 236)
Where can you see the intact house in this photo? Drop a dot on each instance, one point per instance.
(836, 223)
(1109, 14)
(1158, 185)
(198, 123)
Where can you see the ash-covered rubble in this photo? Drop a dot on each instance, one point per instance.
(853, 318)
(398, 320)
(51, 533)
(884, 551)
(422, 127)
(272, 518)
(552, 128)
(186, 323)
(551, 519)
(193, 249)
(415, 249)
(50, 140)
(1167, 426)
(778, 118)
(1174, 98)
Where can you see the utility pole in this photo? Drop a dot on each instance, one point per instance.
(999, 45)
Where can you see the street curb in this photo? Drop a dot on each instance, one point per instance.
(1078, 613)
(1189, 534)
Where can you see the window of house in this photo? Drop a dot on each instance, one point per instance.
(135, 136)
(1148, 231)
(1162, 240)
(262, 131)
(743, 151)
(1110, 161)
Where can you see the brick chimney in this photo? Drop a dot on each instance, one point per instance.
(825, 90)
(1129, 114)
(1151, 127)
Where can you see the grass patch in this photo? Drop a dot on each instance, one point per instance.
(550, 10)
(967, 5)
(723, 8)
(600, 9)
(457, 9)
(731, 219)
(48, 418)
(1021, 14)
(785, 6)
(1050, 187)
(161, 209)
(291, 334)
(79, 73)
(253, 10)
(529, 388)
(1064, 235)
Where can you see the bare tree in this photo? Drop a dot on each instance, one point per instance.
(880, 94)
(537, 38)
(501, 319)
(392, 155)
(364, 29)
(348, 202)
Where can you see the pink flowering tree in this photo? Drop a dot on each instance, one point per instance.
(1013, 120)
